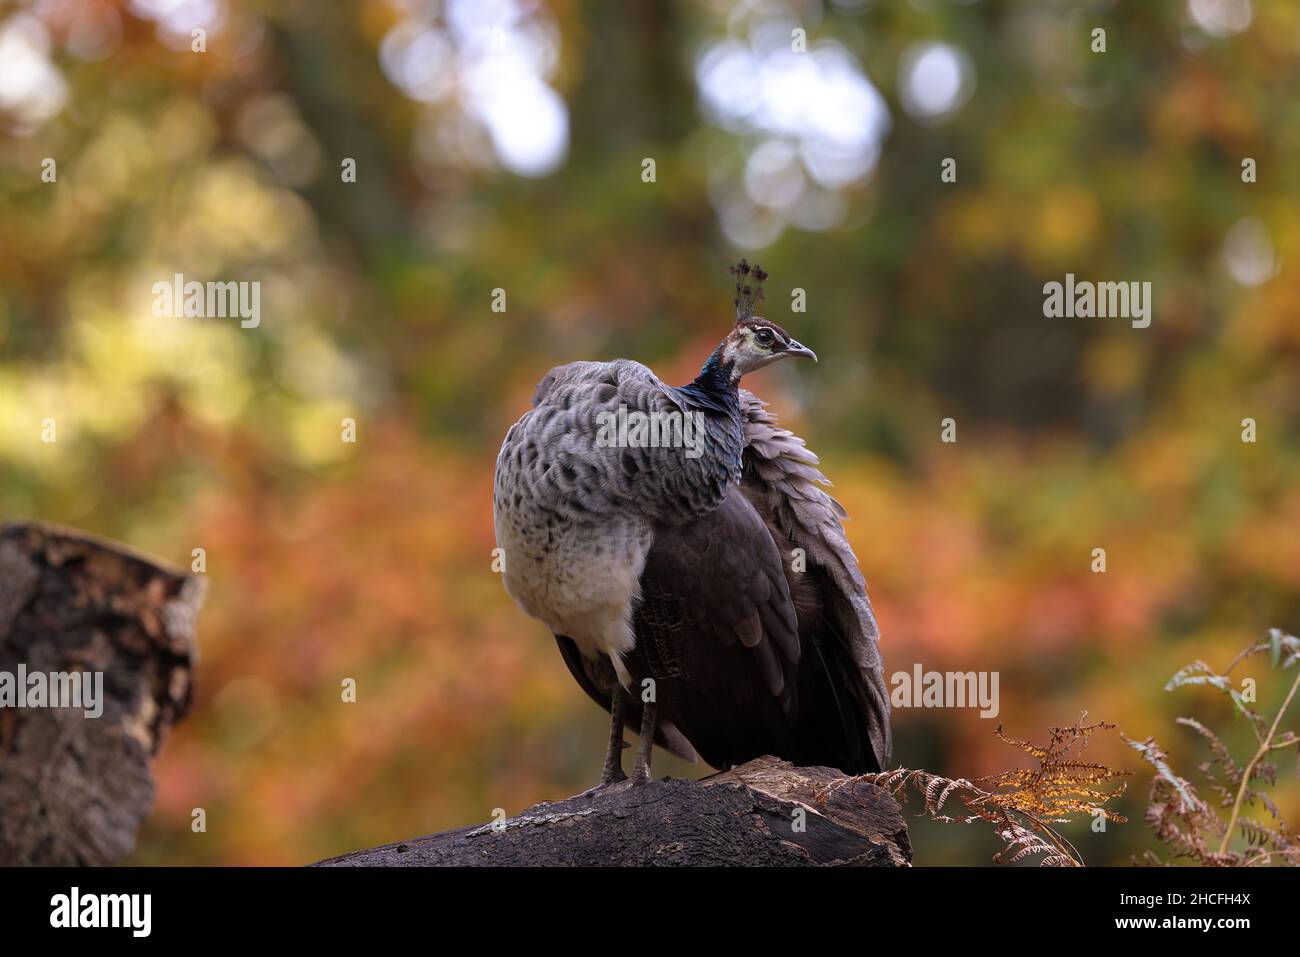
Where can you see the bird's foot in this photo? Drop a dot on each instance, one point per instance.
(608, 779)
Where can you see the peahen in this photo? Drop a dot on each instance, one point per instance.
(679, 545)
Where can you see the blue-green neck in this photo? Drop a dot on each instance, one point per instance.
(713, 388)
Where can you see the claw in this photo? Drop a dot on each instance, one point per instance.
(605, 784)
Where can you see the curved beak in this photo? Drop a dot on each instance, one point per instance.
(796, 348)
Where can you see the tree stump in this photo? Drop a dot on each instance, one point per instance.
(763, 813)
(74, 789)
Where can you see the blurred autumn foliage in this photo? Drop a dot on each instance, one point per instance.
(501, 146)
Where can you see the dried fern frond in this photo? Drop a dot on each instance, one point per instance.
(1180, 819)
(1022, 804)
(1220, 756)
(1062, 785)
(1187, 825)
(1199, 673)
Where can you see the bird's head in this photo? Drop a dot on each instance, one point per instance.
(754, 342)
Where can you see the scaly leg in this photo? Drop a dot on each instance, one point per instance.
(641, 769)
(613, 771)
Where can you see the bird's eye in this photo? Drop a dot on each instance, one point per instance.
(764, 337)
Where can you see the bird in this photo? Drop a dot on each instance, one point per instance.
(679, 545)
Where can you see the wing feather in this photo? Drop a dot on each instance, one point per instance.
(783, 479)
(716, 628)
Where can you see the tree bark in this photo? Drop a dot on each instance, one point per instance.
(74, 788)
(766, 812)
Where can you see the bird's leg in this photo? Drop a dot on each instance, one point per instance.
(613, 771)
(641, 769)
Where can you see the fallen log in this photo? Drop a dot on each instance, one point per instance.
(78, 613)
(763, 813)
